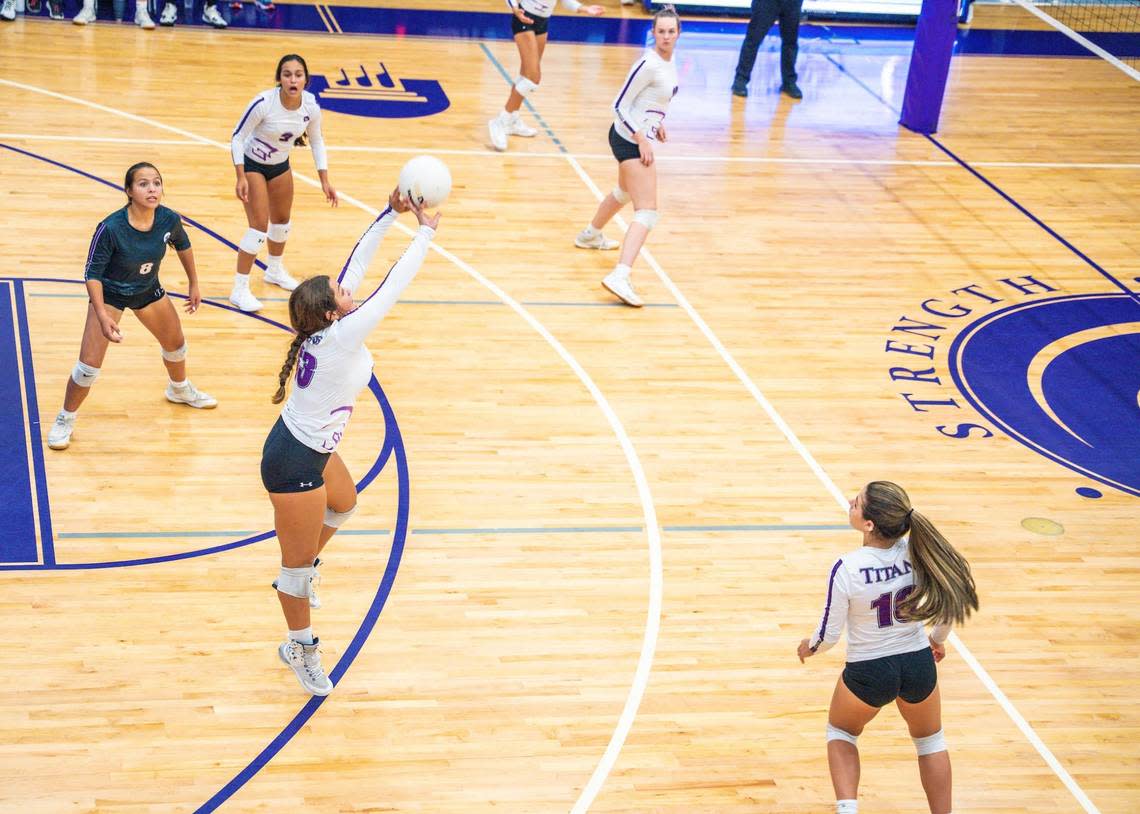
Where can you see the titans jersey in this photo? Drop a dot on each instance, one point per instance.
(864, 592)
(645, 97)
(126, 260)
(267, 130)
(542, 8)
(333, 365)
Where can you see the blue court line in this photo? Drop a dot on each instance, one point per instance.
(529, 106)
(47, 543)
(1002, 193)
(165, 535)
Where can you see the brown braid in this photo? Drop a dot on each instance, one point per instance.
(309, 307)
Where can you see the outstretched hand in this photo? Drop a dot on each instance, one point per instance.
(423, 217)
(398, 202)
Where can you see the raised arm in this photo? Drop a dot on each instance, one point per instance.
(361, 258)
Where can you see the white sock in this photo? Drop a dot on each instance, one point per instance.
(67, 415)
(179, 385)
(273, 263)
(304, 636)
(590, 231)
(623, 270)
(140, 5)
(241, 282)
(89, 5)
(846, 807)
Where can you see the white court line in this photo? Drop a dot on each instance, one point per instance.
(835, 492)
(678, 159)
(649, 511)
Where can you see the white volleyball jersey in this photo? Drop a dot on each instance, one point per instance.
(645, 96)
(267, 130)
(541, 8)
(333, 365)
(864, 592)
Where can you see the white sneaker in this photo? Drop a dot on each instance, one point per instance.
(244, 300)
(190, 395)
(211, 16)
(86, 15)
(619, 285)
(305, 660)
(8, 12)
(143, 20)
(517, 127)
(59, 436)
(498, 130)
(598, 241)
(169, 14)
(281, 277)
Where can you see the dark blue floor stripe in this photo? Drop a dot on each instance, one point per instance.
(47, 541)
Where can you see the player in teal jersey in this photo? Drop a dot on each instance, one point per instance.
(122, 273)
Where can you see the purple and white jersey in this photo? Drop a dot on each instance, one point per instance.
(266, 130)
(864, 592)
(333, 365)
(541, 8)
(645, 96)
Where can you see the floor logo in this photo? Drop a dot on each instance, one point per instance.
(1059, 374)
(379, 95)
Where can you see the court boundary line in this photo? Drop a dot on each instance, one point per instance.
(987, 681)
(649, 511)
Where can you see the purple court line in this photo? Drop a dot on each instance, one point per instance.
(1002, 193)
(47, 541)
(393, 443)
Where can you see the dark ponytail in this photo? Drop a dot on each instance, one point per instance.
(309, 307)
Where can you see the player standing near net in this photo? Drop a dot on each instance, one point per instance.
(122, 273)
(906, 574)
(529, 26)
(309, 485)
(273, 123)
(639, 120)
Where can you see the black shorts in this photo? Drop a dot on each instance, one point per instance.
(136, 302)
(270, 171)
(287, 465)
(539, 26)
(909, 676)
(623, 150)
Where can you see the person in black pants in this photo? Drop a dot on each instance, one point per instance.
(764, 14)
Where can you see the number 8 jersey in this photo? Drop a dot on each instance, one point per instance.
(864, 592)
(333, 365)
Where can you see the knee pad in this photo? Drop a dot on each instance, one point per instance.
(930, 744)
(834, 733)
(646, 217)
(334, 520)
(621, 196)
(279, 232)
(296, 582)
(525, 87)
(84, 375)
(252, 241)
(175, 355)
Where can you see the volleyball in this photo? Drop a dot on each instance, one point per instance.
(426, 181)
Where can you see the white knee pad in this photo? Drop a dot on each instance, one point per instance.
(525, 87)
(296, 582)
(334, 520)
(84, 375)
(252, 241)
(646, 217)
(621, 196)
(931, 744)
(834, 733)
(175, 355)
(279, 232)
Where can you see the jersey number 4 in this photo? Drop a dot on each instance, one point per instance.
(888, 606)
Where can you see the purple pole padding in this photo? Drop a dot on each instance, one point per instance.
(929, 65)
